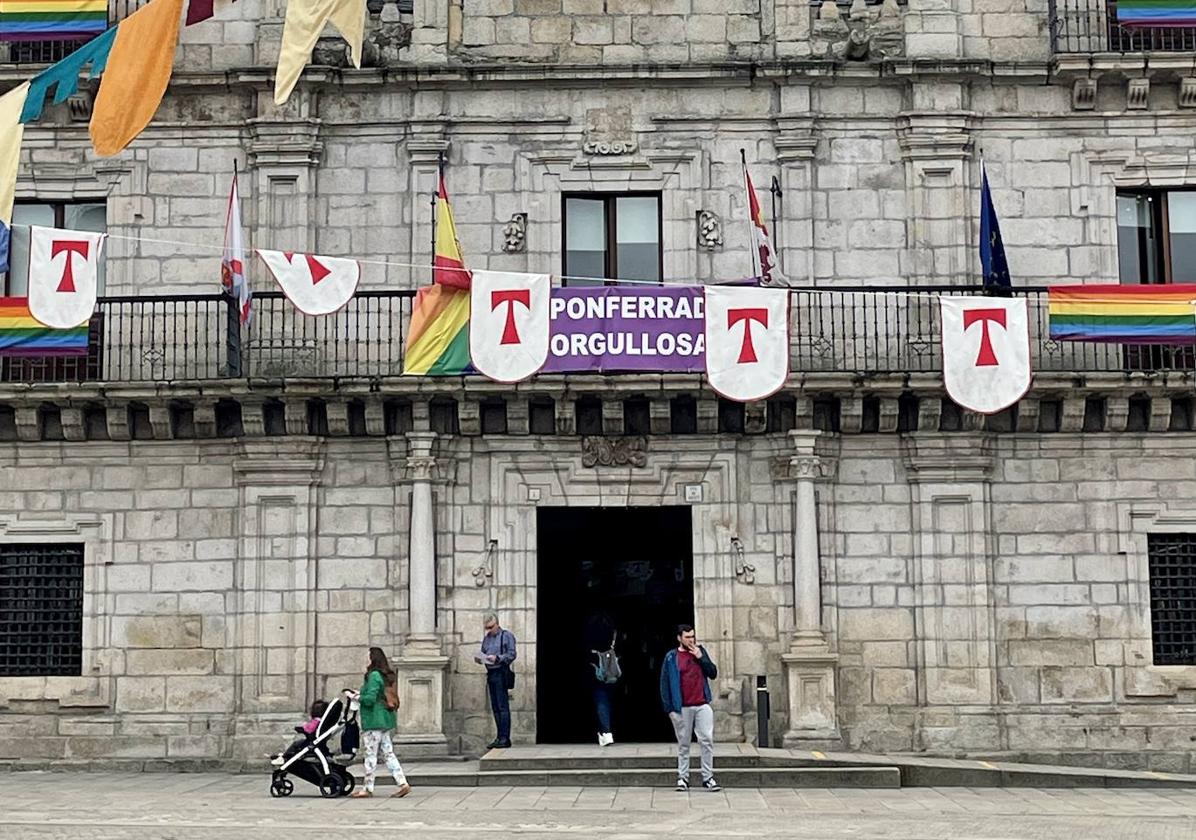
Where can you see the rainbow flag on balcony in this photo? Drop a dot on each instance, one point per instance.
(52, 20)
(1155, 314)
(22, 335)
(1156, 13)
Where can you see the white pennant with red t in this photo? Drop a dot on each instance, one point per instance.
(986, 351)
(316, 285)
(508, 324)
(64, 267)
(747, 341)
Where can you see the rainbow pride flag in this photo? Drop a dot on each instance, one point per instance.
(52, 20)
(438, 338)
(22, 335)
(1156, 13)
(1146, 314)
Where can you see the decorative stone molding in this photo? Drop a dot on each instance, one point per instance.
(1137, 94)
(1187, 93)
(609, 131)
(710, 231)
(870, 33)
(28, 421)
(614, 452)
(609, 147)
(515, 234)
(386, 38)
(1083, 94)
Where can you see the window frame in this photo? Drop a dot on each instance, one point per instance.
(77, 586)
(59, 207)
(1160, 220)
(610, 205)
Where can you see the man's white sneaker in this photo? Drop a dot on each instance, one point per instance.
(278, 760)
(711, 784)
(682, 784)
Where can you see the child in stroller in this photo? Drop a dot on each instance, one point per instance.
(312, 758)
(306, 730)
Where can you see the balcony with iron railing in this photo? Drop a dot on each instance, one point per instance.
(50, 51)
(1091, 26)
(188, 338)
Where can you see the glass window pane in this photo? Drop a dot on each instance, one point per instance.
(1181, 220)
(24, 215)
(90, 217)
(585, 240)
(637, 232)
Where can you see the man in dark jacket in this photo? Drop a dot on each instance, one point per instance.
(685, 695)
(497, 654)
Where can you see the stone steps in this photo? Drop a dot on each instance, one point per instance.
(732, 777)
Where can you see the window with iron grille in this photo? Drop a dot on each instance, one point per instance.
(1172, 560)
(41, 610)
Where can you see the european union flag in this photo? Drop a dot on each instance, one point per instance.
(993, 264)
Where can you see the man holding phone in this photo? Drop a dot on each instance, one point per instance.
(685, 695)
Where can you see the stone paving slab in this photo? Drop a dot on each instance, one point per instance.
(210, 806)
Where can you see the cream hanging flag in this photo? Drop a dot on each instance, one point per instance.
(64, 267)
(304, 23)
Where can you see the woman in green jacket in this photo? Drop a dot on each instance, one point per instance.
(377, 719)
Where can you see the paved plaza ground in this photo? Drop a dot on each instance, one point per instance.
(95, 806)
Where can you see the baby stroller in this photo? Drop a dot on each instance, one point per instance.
(314, 763)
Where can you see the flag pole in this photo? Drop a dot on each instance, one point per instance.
(747, 189)
(234, 337)
(435, 196)
(777, 195)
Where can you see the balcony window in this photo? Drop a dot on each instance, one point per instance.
(92, 216)
(1088, 26)
(612, 236)
(1156, 236)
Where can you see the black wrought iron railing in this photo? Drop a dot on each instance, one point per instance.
(1090, 26)
(196, 337)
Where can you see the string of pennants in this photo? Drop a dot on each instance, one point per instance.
(518, 325)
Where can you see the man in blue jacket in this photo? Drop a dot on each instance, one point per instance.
(685, 695)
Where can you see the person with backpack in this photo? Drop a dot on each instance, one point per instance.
(379, 700)
(497, 654)
(601, 636)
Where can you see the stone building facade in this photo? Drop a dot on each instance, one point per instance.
(907, 576)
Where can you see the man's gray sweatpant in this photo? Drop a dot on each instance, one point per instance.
(699, 719)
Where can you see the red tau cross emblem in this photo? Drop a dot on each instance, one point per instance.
(510, 297)
(986, 357)
(750, 315)
(69, 247)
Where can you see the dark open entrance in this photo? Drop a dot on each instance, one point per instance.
(636, 565)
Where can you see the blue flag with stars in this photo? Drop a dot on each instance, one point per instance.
(993, 264)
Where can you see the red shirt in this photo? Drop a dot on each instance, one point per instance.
(693, 681)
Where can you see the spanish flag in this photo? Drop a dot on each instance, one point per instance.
(438, 338)
(448, 266)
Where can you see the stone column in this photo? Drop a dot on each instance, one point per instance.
(421, 465)
(809, 663)
(422, 665)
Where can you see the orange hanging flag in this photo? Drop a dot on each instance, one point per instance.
(136, 75)
(448, 266)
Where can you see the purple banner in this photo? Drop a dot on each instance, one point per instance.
(616, 328)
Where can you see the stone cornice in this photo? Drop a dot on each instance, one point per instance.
(725, 73)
